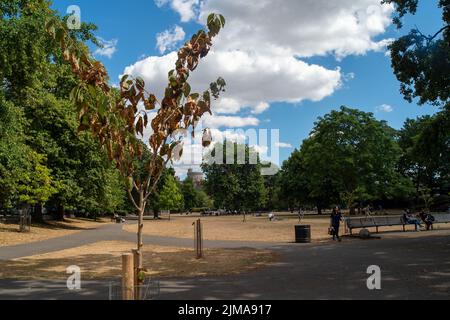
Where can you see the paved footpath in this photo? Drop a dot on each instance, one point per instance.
(412, 268)
(110, 232)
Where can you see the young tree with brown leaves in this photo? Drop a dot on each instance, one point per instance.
(117, 119)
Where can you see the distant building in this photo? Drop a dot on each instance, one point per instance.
(196, 177)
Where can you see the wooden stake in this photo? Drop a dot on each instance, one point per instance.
(136, 274)
(127, 277)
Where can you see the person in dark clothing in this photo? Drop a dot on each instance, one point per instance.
(428, 219)
(409, 218)
(336, 218)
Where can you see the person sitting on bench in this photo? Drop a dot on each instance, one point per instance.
(410, 219)
(428, 219)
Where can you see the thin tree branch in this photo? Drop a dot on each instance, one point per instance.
(130, 195)
(432, 37)
(439, 32)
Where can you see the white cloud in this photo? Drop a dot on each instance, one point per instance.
(109, 47)
(187, 9)
(384, 108)
(283, 145)
(168, 39)
(302, 28)
(259, 52)
(261, 107)
(253, 80)
(229, 122)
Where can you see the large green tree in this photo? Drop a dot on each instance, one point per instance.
(189, 194)
(426, 153)
(170, 197)
(36, 81)
(23, 175)
(238, 185)
(194, 197)
(350, 158)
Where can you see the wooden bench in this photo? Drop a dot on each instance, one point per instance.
(388, 221)
(10, 219)
(441, 218)
(374, 222)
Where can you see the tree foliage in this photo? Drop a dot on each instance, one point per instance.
(237, 184)
(350, 158)
(61, 168)
(426, 148)
(170, 197)
(422, 62)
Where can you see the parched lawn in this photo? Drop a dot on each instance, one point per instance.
(102, 260)
(10, 235)
(255, 229)
(233, 228)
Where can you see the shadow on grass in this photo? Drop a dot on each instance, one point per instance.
(160, 264)
(68, 224)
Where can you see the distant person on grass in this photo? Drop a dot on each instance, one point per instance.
(335, 223)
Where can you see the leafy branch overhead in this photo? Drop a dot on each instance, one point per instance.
(422, 62)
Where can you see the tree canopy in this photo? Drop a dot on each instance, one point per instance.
(422, 62)
(349, 158)
(238, 185)
(51, 163)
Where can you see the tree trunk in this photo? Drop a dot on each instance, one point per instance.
(319, 210)
(37, 215)
(61, 213)
(140, 243)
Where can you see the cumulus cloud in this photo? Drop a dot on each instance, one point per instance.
(253, 80)
(261, 52)
(168, 39)
(283, 145)
(384, 108)
(109, 47)
(302, 28)
(187, 9)
(229, 122)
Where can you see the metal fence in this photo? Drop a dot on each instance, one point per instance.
(20, 217)
(25, 222)
(150, 290)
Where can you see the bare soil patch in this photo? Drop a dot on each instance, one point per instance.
(102, 260)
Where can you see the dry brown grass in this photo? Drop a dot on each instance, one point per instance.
(10, 235)
(102, 261)
(257, 229)
(232, 228)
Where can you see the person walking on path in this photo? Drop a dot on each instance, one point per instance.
(336, 218)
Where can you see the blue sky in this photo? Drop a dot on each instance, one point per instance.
(368, 80)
